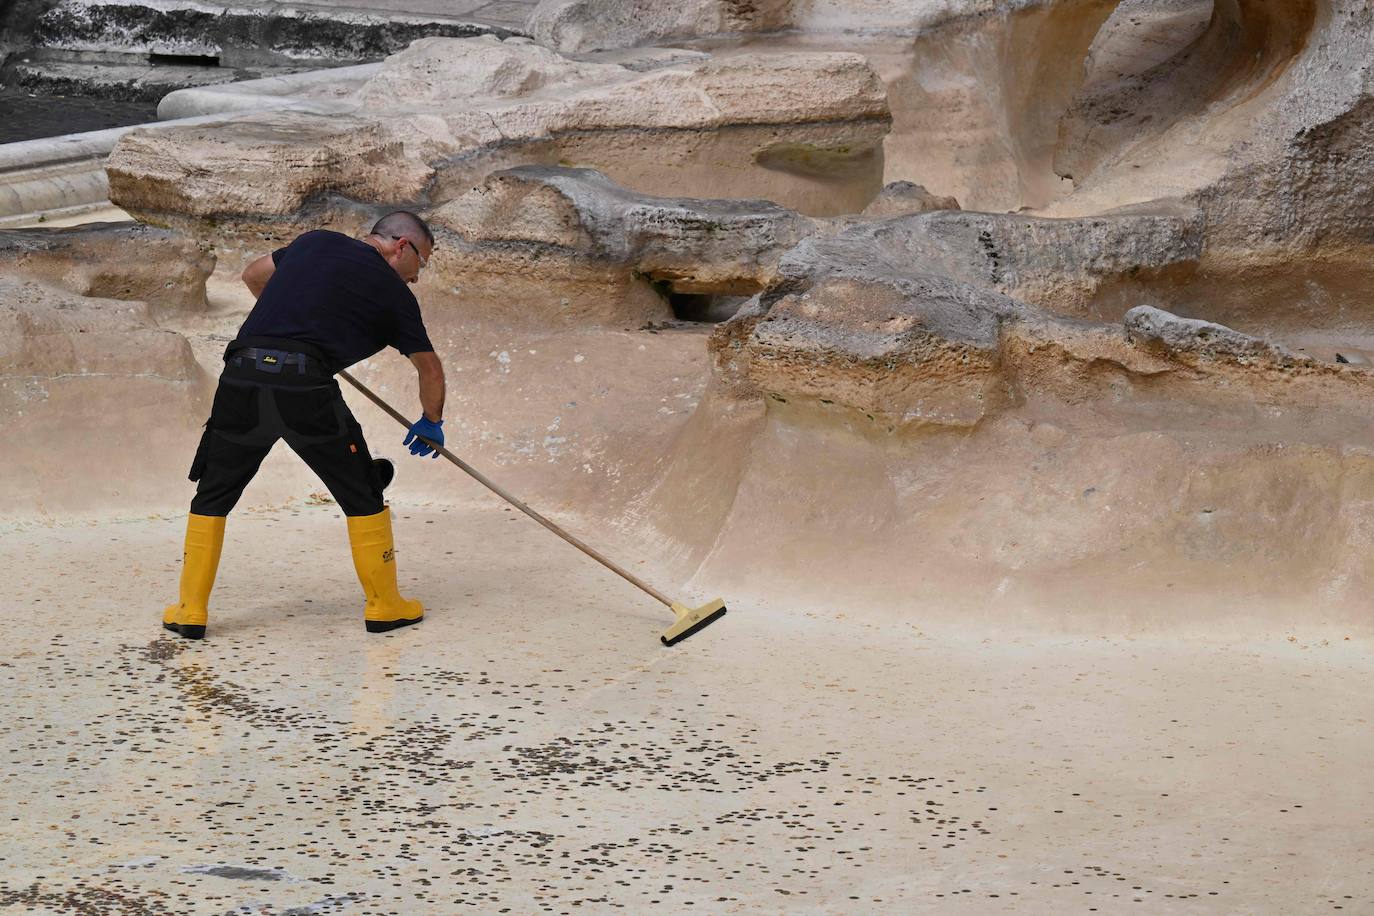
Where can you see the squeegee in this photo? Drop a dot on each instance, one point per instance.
(689, 620)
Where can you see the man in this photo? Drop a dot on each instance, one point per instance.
(325, 302)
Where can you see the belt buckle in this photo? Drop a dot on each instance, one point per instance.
(270, 360)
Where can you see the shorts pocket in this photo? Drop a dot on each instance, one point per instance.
(235, 410)
(311, 411)
(202, 455)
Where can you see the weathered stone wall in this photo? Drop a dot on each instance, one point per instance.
(101, 407)
(585, 25)
(126, 261)
(568, 247)
(802, 130)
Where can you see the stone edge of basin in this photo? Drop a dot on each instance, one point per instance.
(265, 93)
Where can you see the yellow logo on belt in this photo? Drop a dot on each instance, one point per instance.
(270, 360)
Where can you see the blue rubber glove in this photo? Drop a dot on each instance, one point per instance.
(429, 430)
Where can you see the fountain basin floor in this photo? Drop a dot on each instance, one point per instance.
(532, 748)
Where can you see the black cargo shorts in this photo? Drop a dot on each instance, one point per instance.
(267, 395)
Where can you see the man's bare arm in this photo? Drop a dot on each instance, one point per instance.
(256, 274)
(432, 388)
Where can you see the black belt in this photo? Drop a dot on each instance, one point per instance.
(276, 362)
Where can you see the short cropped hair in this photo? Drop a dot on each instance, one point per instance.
(405, 224)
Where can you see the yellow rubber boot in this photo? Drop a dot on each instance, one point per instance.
(374, 557)
(199, 563)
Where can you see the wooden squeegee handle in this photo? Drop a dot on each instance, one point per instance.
(491, 485)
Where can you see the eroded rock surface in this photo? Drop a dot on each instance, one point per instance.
(128, 261)
(907, 350)
(99, 381)
(901, 198)
(1262, 121)
(587, 25)
(804, 130)
(569, 245)
(943, 318)
(1053, 263)
(264, 167)
(428, 71)
(1205, 339)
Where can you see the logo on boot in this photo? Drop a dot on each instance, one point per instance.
(388, 555)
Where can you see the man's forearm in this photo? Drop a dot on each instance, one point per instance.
(432, 391)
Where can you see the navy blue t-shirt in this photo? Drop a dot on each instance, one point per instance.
(340, 296)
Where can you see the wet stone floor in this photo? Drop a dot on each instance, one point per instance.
(532, 748)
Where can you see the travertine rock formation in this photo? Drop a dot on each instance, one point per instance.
(941, 319)
(238, 34)
(1115, 369)
(265, 167)
(903, 197)
(899, 350)
(100, 406)
(128, 261)
(1262, 121)
(804, 130)
(1057, 264)
(553, 245)
(588, 25)
(1182, 337)
(429, 72)
(1255, 110)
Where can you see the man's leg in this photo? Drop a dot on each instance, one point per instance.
(343, 463)
(231, 451)
(199, 563)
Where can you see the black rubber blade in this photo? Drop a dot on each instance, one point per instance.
(695, 628)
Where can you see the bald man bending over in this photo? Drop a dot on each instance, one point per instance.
(324, 302)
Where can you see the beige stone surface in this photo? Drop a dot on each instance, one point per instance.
(428, 72)
(903, 197)
(1057, 264)
(1044, 525)
(803, 130)
(101, 407)
(569, 247)
(587, 25)
(918, 350)
(976, 102)
(533, 737)
(259, 166)
(115, 260)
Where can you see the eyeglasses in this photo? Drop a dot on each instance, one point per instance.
(424, 261)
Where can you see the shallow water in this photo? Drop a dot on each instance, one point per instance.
(31, 117)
